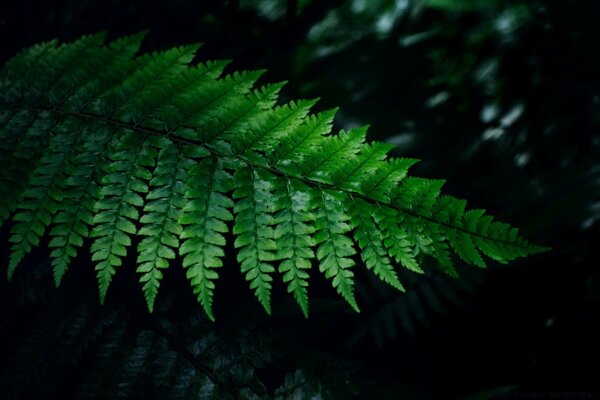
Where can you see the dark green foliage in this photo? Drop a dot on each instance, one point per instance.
(70, 347)
(103, 145)
(388, 314)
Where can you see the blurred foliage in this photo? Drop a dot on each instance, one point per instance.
(67, 346)
(501, 98)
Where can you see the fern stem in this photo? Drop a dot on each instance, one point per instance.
(179, 348)
(308, 181)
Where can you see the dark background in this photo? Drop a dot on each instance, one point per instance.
(501, 98)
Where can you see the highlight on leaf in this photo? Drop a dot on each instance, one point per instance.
(105, 146)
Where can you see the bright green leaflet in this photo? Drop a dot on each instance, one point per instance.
(102, 145)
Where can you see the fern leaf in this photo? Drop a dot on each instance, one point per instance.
(320, 162)
(293, 236)
(205, 213)
(270, 127)
(160, 219)
(240, 111)
(98, 142)
(335, 248)
(301, 140)
(126, 177)
(397, 240)
(370, 239)
(115, 65)
(22, 142)
(353, 172)
(76, 212)
(382, 183)
(212, 103)
(254, 232)
(15, 79)
(125, 100)
(39, 200)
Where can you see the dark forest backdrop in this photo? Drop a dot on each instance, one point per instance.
(501, 98)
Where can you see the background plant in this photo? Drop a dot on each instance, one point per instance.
(539, 170)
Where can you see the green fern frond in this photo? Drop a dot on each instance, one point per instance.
(99, 143)
(207, 208)
(335, 247)
(294, 236)
(370, 239)
(253, 227)
(160, 218)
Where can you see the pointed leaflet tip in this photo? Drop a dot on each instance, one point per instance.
(357, 133)
(354, 305)
(258, 73)
(275, 88)
(140, 35)
(99, 36)
(267, 309)
(330, 114)
(58, 272)
(16, 256)
(150, 299)
(135, 39)
(12, 266)
(209, 313)
(304, 311)
(535, 249)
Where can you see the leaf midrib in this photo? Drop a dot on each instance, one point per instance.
(275, 171)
